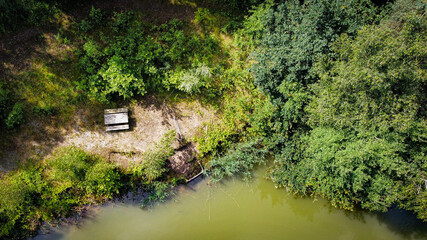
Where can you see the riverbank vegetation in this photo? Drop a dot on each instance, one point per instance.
(334, 92)
(58, 186)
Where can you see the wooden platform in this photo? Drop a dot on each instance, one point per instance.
(116, 119)
(117, 127)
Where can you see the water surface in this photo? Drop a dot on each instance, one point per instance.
(237, 210)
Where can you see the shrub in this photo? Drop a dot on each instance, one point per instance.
(121, 21)
(96, 16)
(19, 197)
(44, 111)
(103, 179)
(15, 117)
(190, 81)
(69, 166)
(241, 159)
(85, 26)
(158, 192)
(154, 159)
(18, 13)
(120, 80)
(37, 193)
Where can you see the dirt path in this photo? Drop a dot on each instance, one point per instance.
(149, 118)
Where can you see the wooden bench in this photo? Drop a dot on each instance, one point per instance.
(116, 119)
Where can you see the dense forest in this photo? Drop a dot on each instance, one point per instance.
(331, 93)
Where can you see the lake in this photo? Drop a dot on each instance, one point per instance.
(235, 209)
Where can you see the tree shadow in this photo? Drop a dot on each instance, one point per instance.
(404, 223)
(401, 222)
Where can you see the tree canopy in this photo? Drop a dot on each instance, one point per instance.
(367, 116)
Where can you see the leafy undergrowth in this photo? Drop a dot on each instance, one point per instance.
(58, 186)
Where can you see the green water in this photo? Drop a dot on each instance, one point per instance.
(237, 210)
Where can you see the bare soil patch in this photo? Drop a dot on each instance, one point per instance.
(150, 119)
(183, 162)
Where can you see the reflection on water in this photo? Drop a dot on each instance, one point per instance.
(237, 210)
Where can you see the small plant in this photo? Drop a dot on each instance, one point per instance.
(121, 20)
(159, 192)
(15, 117)
(96, 16)
(239, 160)
(85, 26)
(204, 19)
(154, 159)
(44, 111)
(190, 81)
(103, 179)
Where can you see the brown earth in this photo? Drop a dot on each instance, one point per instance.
(150, 119)
(183, 162)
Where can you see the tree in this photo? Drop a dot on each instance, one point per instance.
(296, 35)
(369, 140)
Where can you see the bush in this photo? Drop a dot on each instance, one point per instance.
(241, 159)
(96, 16)
(69, 166)
(4, 104)
(19, 198)
(85, 26)
(103, 179)
(134, 62)
(158, 192)
(95, 19)
(121, 21)
(191, 80)
(15, 117)
(154, 159)
(41, 193)
(18, 13)
(44, 111)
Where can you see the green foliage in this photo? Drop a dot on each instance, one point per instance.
(40, 193)
(95, 19)
(296, 35)
(103, 179)
(158, 192)
(19, 193)
(70, 165)
(17, 13)
(204, 19)
(15, 117)
(134, 62)
(241, 159)
(375, 84)
(44, 111)
(345, 168)
(250, 34)
(4, 105)
(120, 80)
(11, 112)
(368, 141)
(191, 80)
(239, 5)
(245, 113)
(96, 16)
(154, 159)
(121, 21)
